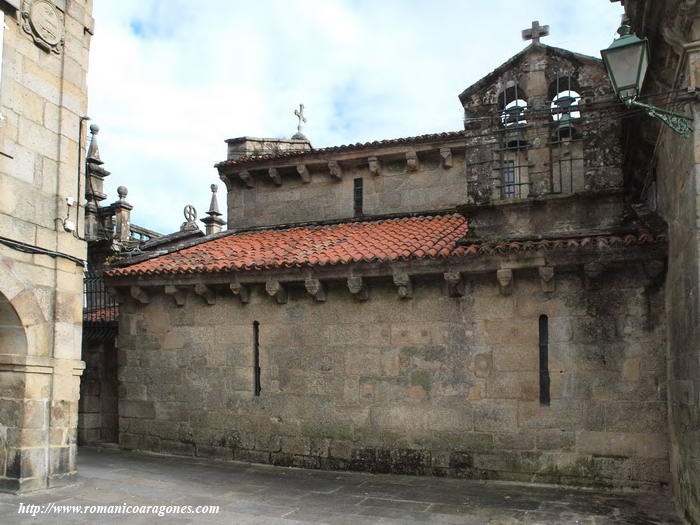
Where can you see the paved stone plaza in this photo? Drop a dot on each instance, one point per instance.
(265, 495)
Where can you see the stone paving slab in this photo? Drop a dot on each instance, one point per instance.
(259, 494)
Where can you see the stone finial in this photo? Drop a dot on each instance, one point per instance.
(213, 223)
(190, 223)
(93, 152)
(122, 191)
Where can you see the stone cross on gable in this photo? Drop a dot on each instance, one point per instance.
(535, 32)
(300, 115)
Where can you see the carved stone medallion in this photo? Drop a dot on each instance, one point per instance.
(42, 21)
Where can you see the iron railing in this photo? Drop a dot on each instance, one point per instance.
(100, 309)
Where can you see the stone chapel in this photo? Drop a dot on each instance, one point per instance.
(478, 303)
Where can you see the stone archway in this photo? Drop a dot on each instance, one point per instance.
(13, 338)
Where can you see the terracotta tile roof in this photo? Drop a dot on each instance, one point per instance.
(428, 237)
(345, 147)
(349, 242)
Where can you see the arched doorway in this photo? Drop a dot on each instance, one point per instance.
(13, 339)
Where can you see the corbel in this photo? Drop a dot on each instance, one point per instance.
(303, 172)
(411, 161)
(275, 176)
(446, 154)
(178, 294)
(358, 288)
(505, 280)
(241, 290)
(118, 294)
(247, 178)
(205, 293)
(139, 294)
(404, 285)
(335, 169)
(547, 278)
(277, 290)
(316, 289)
(375, 167)
(455, 284)
(591, 272)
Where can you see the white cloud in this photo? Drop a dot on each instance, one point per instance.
(170, 80)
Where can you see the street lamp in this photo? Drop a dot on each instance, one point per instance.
(627, 60)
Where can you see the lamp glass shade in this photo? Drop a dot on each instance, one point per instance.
(627, 60)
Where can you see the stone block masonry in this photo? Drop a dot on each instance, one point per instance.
(438, 385)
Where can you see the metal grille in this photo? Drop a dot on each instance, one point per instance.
(566, 152)
(100, 309)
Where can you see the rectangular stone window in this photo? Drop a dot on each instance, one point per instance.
(256, 358)
(357, 194)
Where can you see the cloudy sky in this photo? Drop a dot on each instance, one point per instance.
(170, 80)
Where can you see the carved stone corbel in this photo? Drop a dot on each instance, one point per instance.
(591, 272)
(205, 293)
(241, 290)
(335, 170)
(505, 281)
(277, 290)
(455, 284)
(375, 167)
(547, 278)
(358, 288)
(247, 178)
(275, 176)
(316, 289)
(446, 154)
(139, 294)
(404, 285)
(411, 161)
(303, 172)
(179, 295)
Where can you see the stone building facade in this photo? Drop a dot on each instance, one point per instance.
(480, 303)
(663, 174)
(43, 99)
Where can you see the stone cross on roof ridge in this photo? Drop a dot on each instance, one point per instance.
(299, 113)
(535, 32)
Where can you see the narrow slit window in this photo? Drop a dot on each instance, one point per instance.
(544, 360)
(357, 194)
(256, 357)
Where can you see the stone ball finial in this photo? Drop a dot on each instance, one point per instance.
(94, 129)
(122, 191)
(214, 187)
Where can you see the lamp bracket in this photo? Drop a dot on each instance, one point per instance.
(679, 123)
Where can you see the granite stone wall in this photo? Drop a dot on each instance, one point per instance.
(429, 385)
(394, 190)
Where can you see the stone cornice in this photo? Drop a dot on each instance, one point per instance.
(40, 364)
